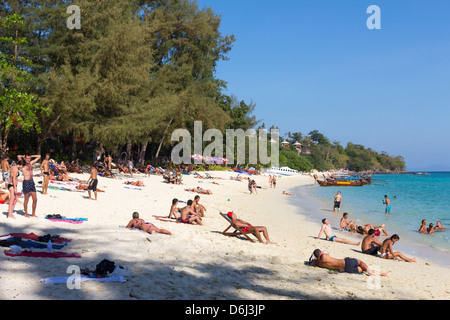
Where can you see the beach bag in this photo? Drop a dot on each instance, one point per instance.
(105, 267)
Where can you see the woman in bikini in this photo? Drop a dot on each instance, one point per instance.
(387, 252)
(140, 224)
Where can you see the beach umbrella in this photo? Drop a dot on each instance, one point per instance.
(197, 156)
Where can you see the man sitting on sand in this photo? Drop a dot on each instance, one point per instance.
(248, 228)
(349, 265)
(326, 228)
(137, 223)
(388, 253)
(347, 225)
(188, 215)
(370, 245)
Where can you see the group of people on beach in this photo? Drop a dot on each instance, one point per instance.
(10, 175)
(431, 228)
(369, 244)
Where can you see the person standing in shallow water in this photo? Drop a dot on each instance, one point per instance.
(337, 202)
(387, 201)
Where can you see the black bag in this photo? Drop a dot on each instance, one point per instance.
(105, 267)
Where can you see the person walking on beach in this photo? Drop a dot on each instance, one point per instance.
(274, 181)
(388, 253)
(388, 205)
(337, 202)
(28, 187)
(45, 171)
(349, 265)
(93, 182)
(326, 228)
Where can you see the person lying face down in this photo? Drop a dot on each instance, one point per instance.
(137, 223)
(322, 259)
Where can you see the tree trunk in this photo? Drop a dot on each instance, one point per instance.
(128, 157)
(162, 139)
(143, 150)
(73, 150)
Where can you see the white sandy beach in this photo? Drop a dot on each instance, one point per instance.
(198, 262)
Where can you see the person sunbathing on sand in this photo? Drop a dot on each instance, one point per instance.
(4, 197)
(330, 237)
(188, 215)
(137, 223)
(248, 228)
(388, 253)
(346, 225)
(138, 183)
(174, 210)
(288, 194)
(364, 229)
(349, 265)
(199, 190)
(200, 209)
(370, 245)
(85, 187)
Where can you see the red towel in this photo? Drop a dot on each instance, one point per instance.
(45, 254)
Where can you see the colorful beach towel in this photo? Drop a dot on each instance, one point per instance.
(55, 255)
(114, 278)
(32, 236)
(59, 218)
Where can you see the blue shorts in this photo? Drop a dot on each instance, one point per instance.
(28, 186)
(332, 238)
(388, 209)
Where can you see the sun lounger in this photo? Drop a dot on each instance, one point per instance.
(237, 230)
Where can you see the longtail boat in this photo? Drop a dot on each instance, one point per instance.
(340, 183)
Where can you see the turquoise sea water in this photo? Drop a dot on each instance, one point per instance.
(413, 198)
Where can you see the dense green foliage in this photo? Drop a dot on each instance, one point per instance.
(324, 155)
(134, 72)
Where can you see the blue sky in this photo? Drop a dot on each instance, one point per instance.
(314, 64)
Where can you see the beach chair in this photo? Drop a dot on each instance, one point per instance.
(237, 230)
